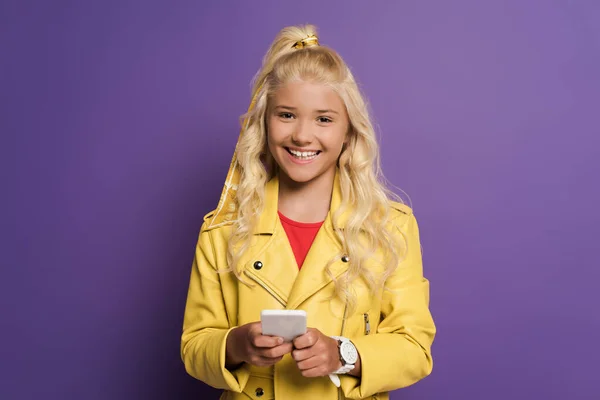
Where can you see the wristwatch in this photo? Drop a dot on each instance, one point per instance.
(348, 354)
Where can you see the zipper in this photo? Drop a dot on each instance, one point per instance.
(367, 324)
(340, 393)
(344, 319)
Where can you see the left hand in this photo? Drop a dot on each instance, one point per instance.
(316, 354)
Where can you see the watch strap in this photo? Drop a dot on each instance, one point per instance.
(344, 370)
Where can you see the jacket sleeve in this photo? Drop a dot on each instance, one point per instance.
(399, 353)
(205, 324)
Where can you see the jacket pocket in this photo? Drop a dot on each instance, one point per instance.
(359, 324)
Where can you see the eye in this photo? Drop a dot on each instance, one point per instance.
(324, 120)
(286, 115)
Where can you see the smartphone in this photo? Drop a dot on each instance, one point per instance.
(287, 324)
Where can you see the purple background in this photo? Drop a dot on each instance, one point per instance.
(120, 118)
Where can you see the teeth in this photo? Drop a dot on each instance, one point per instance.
(303, 154)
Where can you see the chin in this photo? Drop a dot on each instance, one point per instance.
(299, 176)
(299, 173)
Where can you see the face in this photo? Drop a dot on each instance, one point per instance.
(307, 126)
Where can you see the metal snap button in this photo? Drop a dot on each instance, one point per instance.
(258, 265)
(259, 392)
(345, 259)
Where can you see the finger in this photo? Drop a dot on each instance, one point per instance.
(312, 362)
(261, 340)
(277, 351)
(307, 340)
(304, 354)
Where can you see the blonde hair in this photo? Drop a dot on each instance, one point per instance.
(368, 228)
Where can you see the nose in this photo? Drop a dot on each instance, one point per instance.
(302, 134)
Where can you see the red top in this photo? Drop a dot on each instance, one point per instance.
(301, 236)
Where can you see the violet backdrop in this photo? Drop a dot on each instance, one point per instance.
(120, 119)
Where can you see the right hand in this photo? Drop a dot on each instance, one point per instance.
(247, 344)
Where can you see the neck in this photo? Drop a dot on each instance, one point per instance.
(306, 202)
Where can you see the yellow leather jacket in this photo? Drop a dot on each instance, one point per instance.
(392, 330)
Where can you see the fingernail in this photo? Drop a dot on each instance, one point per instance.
(279, 340)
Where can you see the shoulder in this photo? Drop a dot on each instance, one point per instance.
(400, 211)
(208, 216)
(214, 234)
(403, 219)
(400, 208)
(211, 221)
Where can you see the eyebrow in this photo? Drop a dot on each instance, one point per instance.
(318, 111)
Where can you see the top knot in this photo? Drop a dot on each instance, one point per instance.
(311, 40)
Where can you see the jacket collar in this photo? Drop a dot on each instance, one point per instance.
(290, 286)
(268, 218)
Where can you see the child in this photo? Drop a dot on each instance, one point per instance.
(304, 223)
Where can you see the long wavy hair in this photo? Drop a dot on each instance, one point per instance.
(367, 232)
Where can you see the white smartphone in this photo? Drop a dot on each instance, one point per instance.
(287, 324)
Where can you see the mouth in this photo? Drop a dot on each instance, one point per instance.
(303, 155)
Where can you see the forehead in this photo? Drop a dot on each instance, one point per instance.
(308, 96)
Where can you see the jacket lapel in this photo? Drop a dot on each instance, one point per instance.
(326, 248)
(313, 275)
(271, 248)
(279, 273)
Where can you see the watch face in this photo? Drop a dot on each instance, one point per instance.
(348, 353)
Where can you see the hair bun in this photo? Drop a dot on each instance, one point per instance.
(308, 41)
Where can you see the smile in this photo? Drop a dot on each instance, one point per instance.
(303, 155)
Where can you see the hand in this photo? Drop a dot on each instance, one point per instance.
(316, 354)
(247, 344)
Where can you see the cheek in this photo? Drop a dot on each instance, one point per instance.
(335, 138)
(273, 131)
(278, 132)
(273, 136)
